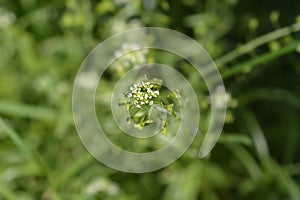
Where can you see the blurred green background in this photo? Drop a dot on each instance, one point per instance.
(256, 45)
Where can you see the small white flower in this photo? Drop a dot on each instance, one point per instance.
(156, 92)
(142, 92)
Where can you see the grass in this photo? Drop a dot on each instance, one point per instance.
(42, 46)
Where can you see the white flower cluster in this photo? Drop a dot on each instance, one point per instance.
(221, 98)
(6, 18)
(143, 94)
(129, 55)
(135, 57)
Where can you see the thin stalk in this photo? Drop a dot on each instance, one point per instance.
(246, 66)
(251, 45)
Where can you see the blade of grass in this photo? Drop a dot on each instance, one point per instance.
(292, 138)
(235, 138)
(75, 168)
(14, 136)
(270, 166)
(247, 160)
(24, 110)
(257, 134)
(188, 180)
(283, 178)
(23, 147)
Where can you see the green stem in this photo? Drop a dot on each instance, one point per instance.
(264, 39)
(247, 66)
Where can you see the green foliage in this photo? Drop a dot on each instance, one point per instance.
(254, 44)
